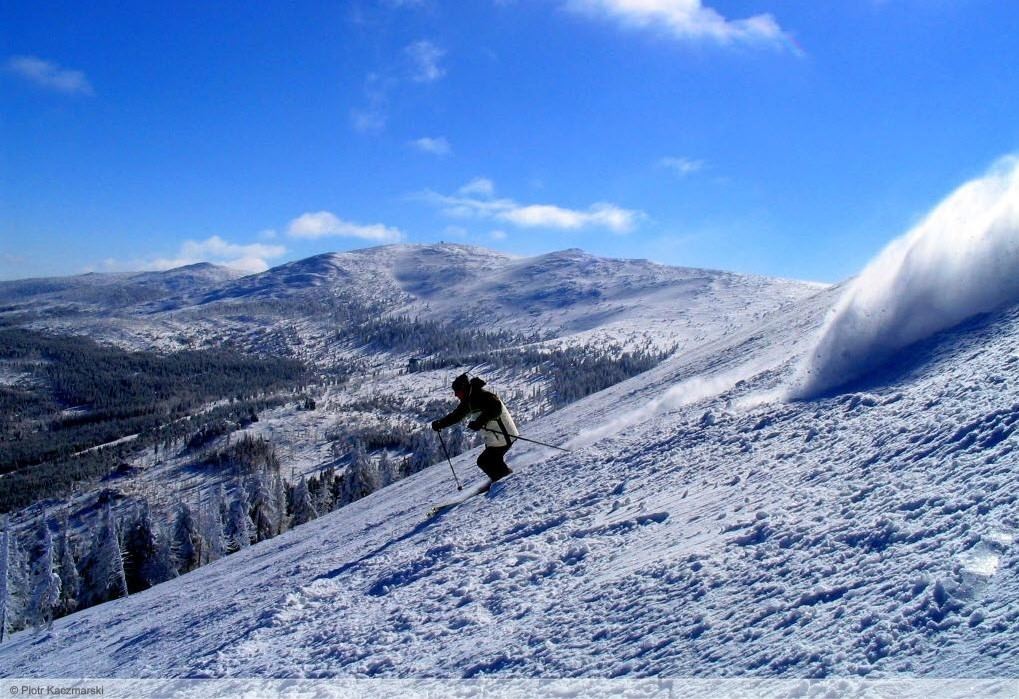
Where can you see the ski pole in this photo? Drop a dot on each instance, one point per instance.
(446, 452)
(532, 441)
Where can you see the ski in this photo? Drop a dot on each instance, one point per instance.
(467, 495)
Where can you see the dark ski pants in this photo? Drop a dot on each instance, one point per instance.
(492, 462)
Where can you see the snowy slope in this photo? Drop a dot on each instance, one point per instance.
(297, 309)
(868, 533)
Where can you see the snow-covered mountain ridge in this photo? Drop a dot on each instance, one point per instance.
(569, 293)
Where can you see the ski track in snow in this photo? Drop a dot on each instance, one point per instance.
(870, 533)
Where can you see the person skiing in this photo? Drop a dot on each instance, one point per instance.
(488, 413)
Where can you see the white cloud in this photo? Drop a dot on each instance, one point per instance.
(323, 224)
(498, 235)
(474, 201)
(425, 57)
(682, 166)
(49, 75)
(435, 146)
(246, 258)
(479, 185)
(216, 248)
(685, 20)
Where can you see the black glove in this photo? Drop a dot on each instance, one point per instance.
(435, 425)
(474, 425)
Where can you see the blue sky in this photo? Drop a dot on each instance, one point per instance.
(776, 137)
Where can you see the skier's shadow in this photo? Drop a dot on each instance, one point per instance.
(337, 572)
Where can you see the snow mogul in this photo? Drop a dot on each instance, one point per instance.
(487, 413)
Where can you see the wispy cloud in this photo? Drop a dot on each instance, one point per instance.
(479, 186)
(685, 20)
(475, 200)
(425, 57)
(246, 258)
(681, 166)
(379, 87)
(372, 117)
(434, 146)
(323, 224)
(368, 120)
(49, 75)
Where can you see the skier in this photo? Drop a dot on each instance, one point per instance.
(488, 413)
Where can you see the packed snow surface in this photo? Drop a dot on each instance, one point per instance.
(961, 260)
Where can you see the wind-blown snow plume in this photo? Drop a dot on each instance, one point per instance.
(682, 394)
(962, 260)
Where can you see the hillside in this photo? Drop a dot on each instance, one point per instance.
(381, 332)
(702, 531)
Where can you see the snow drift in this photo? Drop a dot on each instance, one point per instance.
(961, 260)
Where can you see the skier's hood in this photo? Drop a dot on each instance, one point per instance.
(461, 383)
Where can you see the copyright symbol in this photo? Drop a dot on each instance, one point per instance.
(14, 691)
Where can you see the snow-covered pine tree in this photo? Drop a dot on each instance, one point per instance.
(239, 527)
(263, 507)
(279, 494)
(322, 494)
(303, 508)
(424, 450)
(164, 550)
(388, 470)
(361, 477)
(45, 582)
(212, 516)
(5, 586)
(314, 491)
(459, 440)
(148, 561)
(139, 544)
(187, 541)
(103, 577)
(70, 581)
(8, 601)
